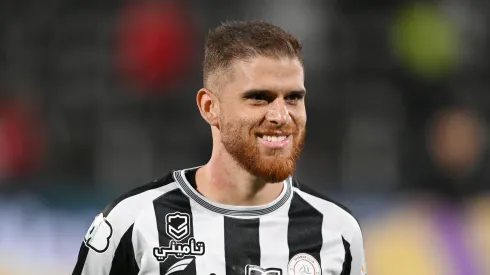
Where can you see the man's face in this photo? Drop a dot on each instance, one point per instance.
(262, 116)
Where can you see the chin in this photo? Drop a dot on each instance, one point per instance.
(273, 168)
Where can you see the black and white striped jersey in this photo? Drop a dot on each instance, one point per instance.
(167, 227)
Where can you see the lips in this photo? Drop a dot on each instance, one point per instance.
(274, 138)
(274, 134)
(274, 142)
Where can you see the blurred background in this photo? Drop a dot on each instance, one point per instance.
(98, 97)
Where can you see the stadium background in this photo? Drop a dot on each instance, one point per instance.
(97, 97)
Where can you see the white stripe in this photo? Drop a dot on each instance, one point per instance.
(332, 253)
(336, 223)
(121, 217)
(145, 238)
(273, 238)
(209, 228)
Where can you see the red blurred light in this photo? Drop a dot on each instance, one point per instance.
(153, 43)
(22, 141)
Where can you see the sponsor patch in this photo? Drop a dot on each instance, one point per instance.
(99, 234)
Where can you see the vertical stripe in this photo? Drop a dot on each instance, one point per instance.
(346, 267)
(174, 202)
(145, 238)
(82, 257)
(274, 240)
(209, 228)
(332, 254)
(336, 221)
(242, 244)
(304, 229)
(124, 262)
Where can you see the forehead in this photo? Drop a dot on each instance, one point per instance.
(275, 74)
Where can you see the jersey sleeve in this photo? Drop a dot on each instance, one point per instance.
(358, 256)
(106, 250)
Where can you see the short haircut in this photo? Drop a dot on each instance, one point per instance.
(239, 40)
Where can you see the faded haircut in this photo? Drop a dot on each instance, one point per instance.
(239, 40)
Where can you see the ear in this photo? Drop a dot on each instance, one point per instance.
(208, 105)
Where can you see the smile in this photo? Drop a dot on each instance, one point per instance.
(274, 142)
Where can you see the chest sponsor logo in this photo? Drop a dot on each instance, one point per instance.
(179, 250)
(178, 228)
(257, 270)
(304, 264)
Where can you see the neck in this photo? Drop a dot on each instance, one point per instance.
(224, 181)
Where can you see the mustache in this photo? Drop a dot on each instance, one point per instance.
(284, 131)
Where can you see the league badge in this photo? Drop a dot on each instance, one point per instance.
(302, 264)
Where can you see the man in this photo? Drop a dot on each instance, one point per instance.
(242, 212)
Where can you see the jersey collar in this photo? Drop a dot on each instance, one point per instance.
(231, 210)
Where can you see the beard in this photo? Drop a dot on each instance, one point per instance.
(243, 148)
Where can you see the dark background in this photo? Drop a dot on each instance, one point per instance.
(97, 97)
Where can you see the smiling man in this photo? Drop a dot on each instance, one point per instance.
(243, 212)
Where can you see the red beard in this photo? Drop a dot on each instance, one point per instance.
(273, 168)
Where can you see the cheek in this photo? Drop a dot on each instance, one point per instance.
(303, 119)
(237, 123)
(299, 117)
(249, 119)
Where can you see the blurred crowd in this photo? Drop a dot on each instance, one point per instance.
(97, 97)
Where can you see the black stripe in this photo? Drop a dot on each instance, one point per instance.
(242, 246)
(304, 228)
(346, 267)
(82, 256)
(309, 190)
(170, 203)
(152, 185)
(124, 262)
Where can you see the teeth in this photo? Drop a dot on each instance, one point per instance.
(274, 138)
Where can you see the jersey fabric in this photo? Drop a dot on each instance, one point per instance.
(168, 227)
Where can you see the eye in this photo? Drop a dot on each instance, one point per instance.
(295, 97)
(259, 97)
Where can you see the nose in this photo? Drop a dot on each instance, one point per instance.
(278, 113)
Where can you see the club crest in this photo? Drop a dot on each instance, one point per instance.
(177, 225)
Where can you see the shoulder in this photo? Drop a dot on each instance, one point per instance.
(119, 215)
(136, 198)
(338, 215)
